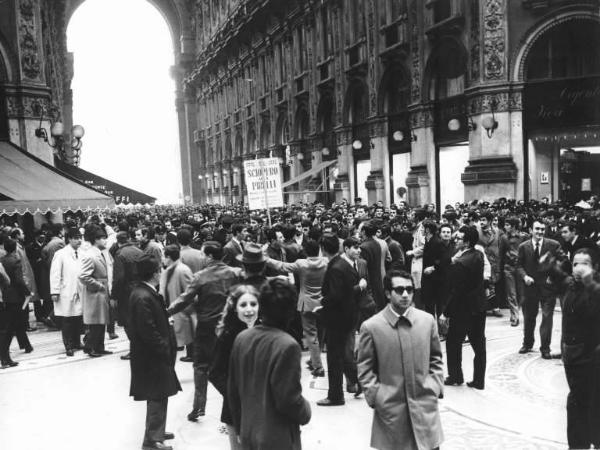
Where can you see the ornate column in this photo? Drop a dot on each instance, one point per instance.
(376, 186)
(193, 154)
(345, 179)
(421, 177)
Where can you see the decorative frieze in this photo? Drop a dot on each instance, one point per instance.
(31, 62)
(475, 38)
(494, 30)
(30, 107)
(415, 39)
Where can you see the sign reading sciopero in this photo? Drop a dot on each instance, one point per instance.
(263, 183)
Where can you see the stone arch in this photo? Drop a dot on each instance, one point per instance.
(356, 102)
(175, 12)
(239, 145)
(325, 114)
(394, 90)
(251, 140)
(301, 124)
(265, 135)
(448, 60)
(282, 130)
(7, 61)
(228, 155)
(541, 28)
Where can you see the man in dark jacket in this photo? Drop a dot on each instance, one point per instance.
(371, 252)
(126, 258)
(466, 309)
(13, 299)
(341, 285)
(263, 389)
(434, 268)
(153, 351)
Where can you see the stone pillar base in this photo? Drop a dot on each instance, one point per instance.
(490, 178)
(375, 187)
(342, 189)
(417, 183)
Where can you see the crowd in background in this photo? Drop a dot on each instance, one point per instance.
(308, 277)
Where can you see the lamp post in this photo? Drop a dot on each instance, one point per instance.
(56, 140)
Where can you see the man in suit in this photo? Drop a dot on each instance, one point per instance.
(401, 370)
(14, 296)
(153, 377)
(573, 241)
(532, 255)
(95, 292)
(371, 252)
(434, 268)
(465, 310)
(173, 282)
(189, 256)
(55, 244)
(208, 293)
(340, 314)
(234, 247)
(126, 256)
(264, 390)
(66, 292)
(309, 274)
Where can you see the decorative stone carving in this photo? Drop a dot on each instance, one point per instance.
(28, 46)
(494, 26)
(415, 90)
(484, 103)
(475, 42)
(344, 136)
(378, 128)
(421, 118)
(490, 170)
(515, 101)
(20, 106)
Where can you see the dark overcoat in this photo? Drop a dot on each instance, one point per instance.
(153, 347)
(264, 390)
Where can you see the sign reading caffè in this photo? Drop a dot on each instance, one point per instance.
(562, 103)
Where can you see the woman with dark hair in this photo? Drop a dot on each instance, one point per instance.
(239, 314)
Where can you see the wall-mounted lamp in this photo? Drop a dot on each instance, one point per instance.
(300, 156)
(216, 174)
(454, 125)
(398, 136)
(357, 144)
(489, 123)
(56, 140)
(200, 177)
(325, 151)
(236, 170)
(225, 172)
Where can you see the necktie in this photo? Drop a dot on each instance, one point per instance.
(537, 251)
(355, 267)
(76, 256)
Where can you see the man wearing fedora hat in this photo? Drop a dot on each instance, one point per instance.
(253, 262)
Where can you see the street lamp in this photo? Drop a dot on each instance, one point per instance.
(56, 140)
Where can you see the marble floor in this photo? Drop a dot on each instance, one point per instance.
(53, 402)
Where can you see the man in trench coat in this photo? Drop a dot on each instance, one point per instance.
(400, 370)
(153, 351)
(95, 293)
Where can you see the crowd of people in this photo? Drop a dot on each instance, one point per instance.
(242, 293)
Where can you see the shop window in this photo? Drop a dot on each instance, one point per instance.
(362, 170)
(453, 160)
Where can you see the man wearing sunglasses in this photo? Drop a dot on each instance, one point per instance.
(400, 369)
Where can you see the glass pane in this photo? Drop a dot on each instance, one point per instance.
(453, 159)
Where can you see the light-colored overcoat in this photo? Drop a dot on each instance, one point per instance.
(95, 292)
(64, 282)
(401, 371)
(173, 282)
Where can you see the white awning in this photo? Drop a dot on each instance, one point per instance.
(309, 173)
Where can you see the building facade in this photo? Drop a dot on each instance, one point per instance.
(428, 101)
(419, 100)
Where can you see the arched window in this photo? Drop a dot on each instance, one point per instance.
(569, 50)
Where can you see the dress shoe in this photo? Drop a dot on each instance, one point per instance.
(320, 372)
(524, 349)
(514, 322)
(31, 329)
(310, 366)
(112, 336)
(49, 323)
(186, 359)
(156, 446)
(105, 352)
(473, 384)
(70, 352)
(453, 382)
(354, 389)
(193, 416)
(9, 363)
(556, 355)
(168, 436)
(328, 402)
(546, 354)
(28, 349)
(126, 357)
(93, 354)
